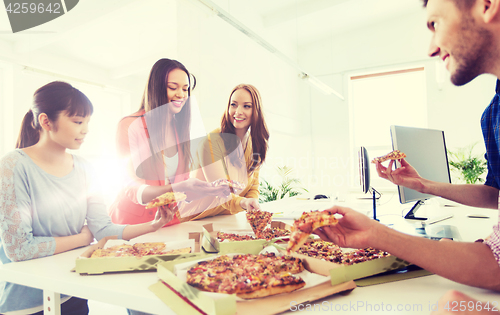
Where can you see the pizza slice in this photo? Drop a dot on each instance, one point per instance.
(123, 250)
(234, 237)
(166, 199)
(258, 220)
(100, 252)
(150, 248)
(306, 224)
(362, 255)
(394, 155)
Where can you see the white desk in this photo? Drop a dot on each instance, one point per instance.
(130, 290)
(414, 296)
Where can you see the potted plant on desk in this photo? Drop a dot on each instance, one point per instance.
(268, 192)
(470, 167)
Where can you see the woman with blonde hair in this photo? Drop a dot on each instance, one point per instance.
(236, 150)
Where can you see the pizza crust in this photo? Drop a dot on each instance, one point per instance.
(271, 291)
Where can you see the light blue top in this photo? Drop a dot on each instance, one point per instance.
(35, 207)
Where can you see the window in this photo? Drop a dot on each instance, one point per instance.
(110, 106)
(379, 100)
(8, 135)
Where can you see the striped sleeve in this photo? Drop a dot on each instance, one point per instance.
(493, 241)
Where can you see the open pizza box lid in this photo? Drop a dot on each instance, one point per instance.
(182, 298)
(86, 265)
(340, 273)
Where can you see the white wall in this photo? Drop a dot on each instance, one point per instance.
(309, 130)
(216, 53)
(221, 57)
(394, 44)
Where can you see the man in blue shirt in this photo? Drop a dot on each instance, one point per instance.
(466, 36)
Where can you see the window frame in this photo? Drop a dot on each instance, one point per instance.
(380, 184)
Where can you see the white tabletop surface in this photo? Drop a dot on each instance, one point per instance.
(130, 290)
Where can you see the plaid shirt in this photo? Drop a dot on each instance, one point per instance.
(490, 124)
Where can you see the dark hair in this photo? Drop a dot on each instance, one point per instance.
(461, 4)
(155, 95)
(258, 127)
(52, 99)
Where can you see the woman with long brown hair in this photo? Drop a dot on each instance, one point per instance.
(49, 202)
(236, 150)
(155, 143)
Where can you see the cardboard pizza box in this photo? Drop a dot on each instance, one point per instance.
(86, 265)
(182, 298)
(340, 273)
(274, 224)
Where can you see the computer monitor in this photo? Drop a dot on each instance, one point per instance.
(364, 177)
(425, 150)
(364, 169)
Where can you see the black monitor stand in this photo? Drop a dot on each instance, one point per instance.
(411, 213)
(375, 203)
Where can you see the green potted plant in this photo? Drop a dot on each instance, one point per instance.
(471, 167)
(286, 188)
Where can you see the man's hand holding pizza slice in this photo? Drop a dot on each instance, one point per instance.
(405, 175)
(353, 229)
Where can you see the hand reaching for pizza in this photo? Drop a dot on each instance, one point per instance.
(164, 215)
(405, 175)
(354, 230)
(197, 189)
(250, 204)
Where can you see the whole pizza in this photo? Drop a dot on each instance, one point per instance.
(248, 276)
(268, 233)
(331, 252)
